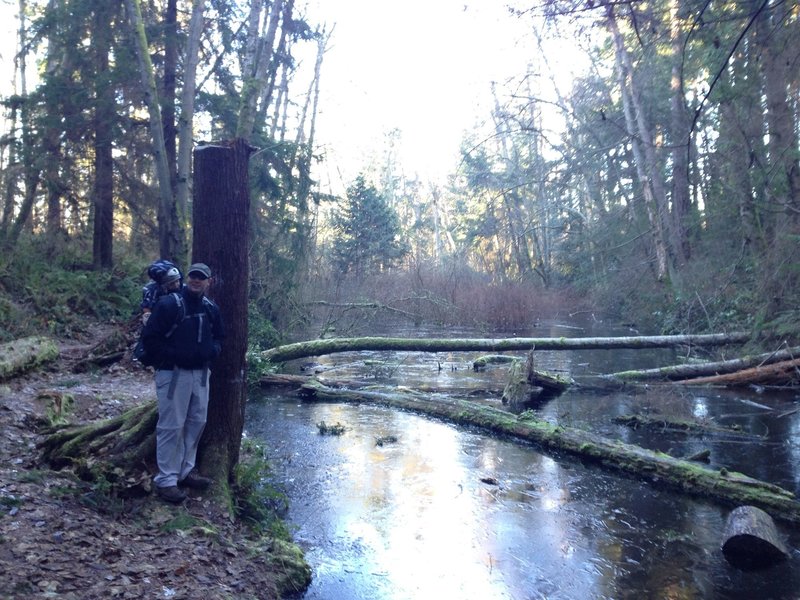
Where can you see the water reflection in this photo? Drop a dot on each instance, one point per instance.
(449, 513)
(417, 519)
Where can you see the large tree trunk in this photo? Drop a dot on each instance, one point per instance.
(259, 61)
(776, 45)
(186, 119)
(104, 115)
(643, 149)
(168, 238)
(657, 467)
(221, 211)
(331, 346)
(680, 130)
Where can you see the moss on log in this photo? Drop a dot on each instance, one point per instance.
(676, 425)
(784, 373)
(334, 345)
(482, 362)
(125, 441)
(689, 372)
(722, 486)
(25, 354)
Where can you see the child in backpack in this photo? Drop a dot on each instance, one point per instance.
(165, 278)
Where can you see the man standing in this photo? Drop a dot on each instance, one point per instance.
(184, 334)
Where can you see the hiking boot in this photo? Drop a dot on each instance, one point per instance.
(171, 494)
(195, 481)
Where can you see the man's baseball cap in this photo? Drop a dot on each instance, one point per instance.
(200, 269)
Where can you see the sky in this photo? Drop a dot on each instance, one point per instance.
(423, 67)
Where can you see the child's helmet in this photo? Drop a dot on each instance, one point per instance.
(173, 274)
(158, 269)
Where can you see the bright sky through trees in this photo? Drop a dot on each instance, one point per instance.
(424, 68)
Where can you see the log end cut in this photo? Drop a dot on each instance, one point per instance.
(751, 540)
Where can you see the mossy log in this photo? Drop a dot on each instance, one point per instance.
(722, 486)
(480, 363)
(751, 540)
(25, 354)
(686, 373)
(784, 373)
(125, 441)
(334, 345)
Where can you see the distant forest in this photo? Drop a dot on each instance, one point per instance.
(662, 187)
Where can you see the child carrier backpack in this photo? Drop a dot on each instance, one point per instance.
(141, 356)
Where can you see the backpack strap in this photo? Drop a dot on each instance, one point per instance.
(181, 313)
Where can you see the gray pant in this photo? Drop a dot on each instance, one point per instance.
(182, 409)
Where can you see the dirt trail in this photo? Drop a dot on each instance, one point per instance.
(57, 539)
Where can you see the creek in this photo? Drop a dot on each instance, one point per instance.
(401, 506)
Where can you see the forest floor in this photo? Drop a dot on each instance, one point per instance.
(57, 540)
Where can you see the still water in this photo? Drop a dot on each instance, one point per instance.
(404, 507)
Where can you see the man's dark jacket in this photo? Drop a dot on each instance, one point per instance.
(191, 342)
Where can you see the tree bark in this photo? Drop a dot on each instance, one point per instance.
(776, 43)
(751, 540)
(722, 486)
(221, 211)
(332, 346)
(103, 121)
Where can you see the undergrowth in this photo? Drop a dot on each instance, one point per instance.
(257, 503)
(61, 295)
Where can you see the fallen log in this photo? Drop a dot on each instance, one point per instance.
(334, 345)
(785, 373)
(675, 425)
(722, 486)
(480, 363)
(751, 540)
(25, 354)
(680, 372)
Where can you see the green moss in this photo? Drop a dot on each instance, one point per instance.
(294, 573)
(10, 501)
(183, 521)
